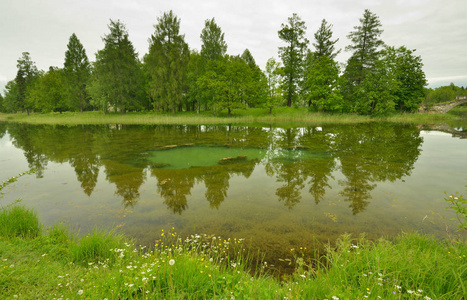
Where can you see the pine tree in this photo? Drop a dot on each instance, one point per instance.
(25, 76)
(77, 71)
(292, 55)
(117, 77)
(324, 44)
(167, 63)
(366, 45)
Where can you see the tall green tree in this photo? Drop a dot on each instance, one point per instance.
(365, 47)
(167, 62)
(2, 108)
(408, 69)
(25, 76)
(49, 92)
(375, 94)
(117, 75)
(292, 55)
(77, 71)
(10, 104)
(323, 43)
(273, 80)
(323, 85)
(213, 45)
(256, 87)
(213, 56)
(322, 81)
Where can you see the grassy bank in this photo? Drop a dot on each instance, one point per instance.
(57, 264)
(280, 116)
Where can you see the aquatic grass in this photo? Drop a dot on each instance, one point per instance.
(19, 221)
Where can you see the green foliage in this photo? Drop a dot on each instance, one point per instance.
(292, 55)
(322, 82)
(117, 78)
(374, 95)
(365, 47)
(408, 71)
(444, 94)
(48, 92)
(10, 104)
(366, 40)
(167, 63)
(273, 79)
(26, 75)
(324, 44)
(213, 45)
(77, 71)
(458, 204)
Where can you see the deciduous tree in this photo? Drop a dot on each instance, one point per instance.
(213, 45)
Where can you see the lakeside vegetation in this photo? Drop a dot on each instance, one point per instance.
(284, 116)
(57, 263)
(60, 264)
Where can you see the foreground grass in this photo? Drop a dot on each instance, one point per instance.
(280, 116)
(59, 265)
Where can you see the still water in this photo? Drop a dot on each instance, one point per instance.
(279, 188)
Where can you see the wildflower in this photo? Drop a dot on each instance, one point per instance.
(426, 298)
(171, 262)
(80, 292)
(410, 291)
(334, 298)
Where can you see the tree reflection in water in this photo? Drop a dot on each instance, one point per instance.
(299, 160)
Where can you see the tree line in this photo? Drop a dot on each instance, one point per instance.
(444, 94)
(377, 79)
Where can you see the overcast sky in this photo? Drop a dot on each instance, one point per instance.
(437, 29)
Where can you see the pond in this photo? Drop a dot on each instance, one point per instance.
(279, 188)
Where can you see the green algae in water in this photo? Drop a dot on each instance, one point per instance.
(199, 156)
(184, 157)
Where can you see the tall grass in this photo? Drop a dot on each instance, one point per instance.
(280, 116)
(19, 221)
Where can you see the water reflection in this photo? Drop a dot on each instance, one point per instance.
(299, 160)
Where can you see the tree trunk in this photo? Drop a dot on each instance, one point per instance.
(229, 111)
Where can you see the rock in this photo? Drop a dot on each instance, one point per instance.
(227, 160)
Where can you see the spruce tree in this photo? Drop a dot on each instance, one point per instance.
(167, 63)
(77, 71)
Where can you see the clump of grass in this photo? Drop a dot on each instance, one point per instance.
(96, 246)
(19, 221)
